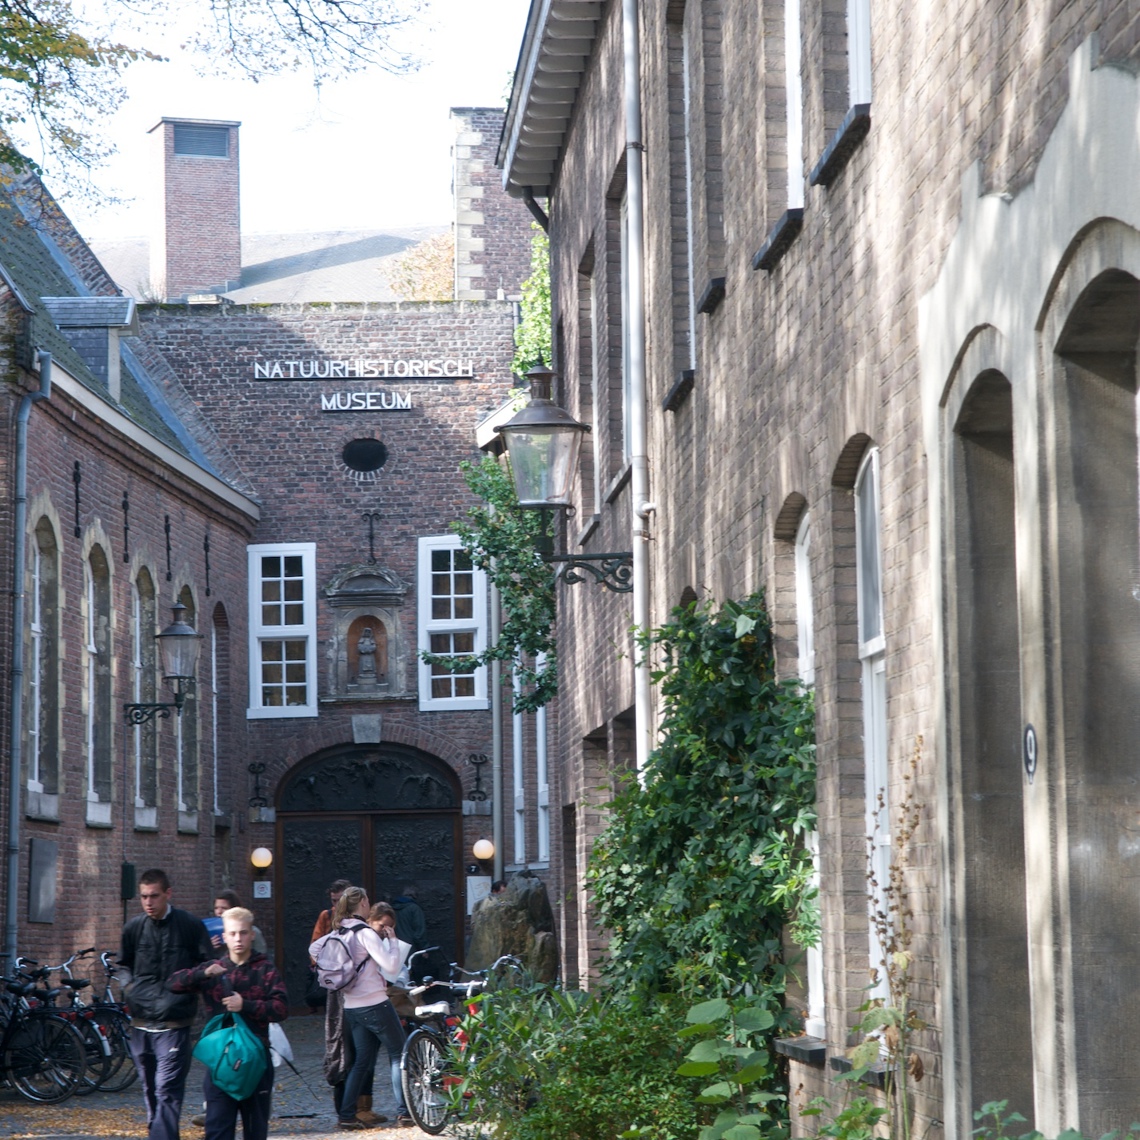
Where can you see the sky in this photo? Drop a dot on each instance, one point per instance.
(367, 152)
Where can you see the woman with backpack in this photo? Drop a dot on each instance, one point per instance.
(352, 961)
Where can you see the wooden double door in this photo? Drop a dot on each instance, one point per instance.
(382, 846)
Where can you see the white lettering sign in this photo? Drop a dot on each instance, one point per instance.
(366, 402)
(361, 369)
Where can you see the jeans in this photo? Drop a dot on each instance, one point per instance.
(370, 1026)
(163, 1062)
(222, 1111)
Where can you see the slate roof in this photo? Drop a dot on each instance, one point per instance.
(335, 265)
(56, 290)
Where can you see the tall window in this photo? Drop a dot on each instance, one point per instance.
(815, 1024)
(42, 717)
(805, 608)
(626, 328)
(541, 780)
(859, 51)
(99, 711)
(187, 728)
(518, 756)
(793, 89)
(681, 183)
(282, 630)
(452, 607)
(144, 690)
(872, 656)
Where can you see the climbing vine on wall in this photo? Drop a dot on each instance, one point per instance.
(703, 864)
(503, 539)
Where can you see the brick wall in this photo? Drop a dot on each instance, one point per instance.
(492, 230)
(196, 243)
(800, 370)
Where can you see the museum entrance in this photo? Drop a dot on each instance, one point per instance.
(380, 816)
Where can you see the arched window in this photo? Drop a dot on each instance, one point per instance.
(42, 715)
(219, 687)
(99, 696)
(187, 735)
(872, 656)
(805, 609)
(144, 690)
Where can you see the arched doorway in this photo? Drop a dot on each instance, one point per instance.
(379, 815)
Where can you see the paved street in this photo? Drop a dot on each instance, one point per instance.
(302, 1106)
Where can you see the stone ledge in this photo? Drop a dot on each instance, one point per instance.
(807, 1050)
(875, 1076)
(679, 393)
(711, 298)
(779, 240)
(844, 143)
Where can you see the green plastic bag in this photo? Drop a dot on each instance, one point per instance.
(233, 1054)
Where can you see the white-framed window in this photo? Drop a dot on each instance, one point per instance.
(794, 94)
(518, 771)
(36, 674)
(214, 710)
(859, 51)
(690, 213)
(97, 589)
(144, 690)
(282, 630)
(452, 608)
(541, 777)
(626, 329)
(815, 1024)
(872, 657)
(805, 605)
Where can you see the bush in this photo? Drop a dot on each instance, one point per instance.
(547, 1063)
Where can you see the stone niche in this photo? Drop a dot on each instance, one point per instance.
(368, 651)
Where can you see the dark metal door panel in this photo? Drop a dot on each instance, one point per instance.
(421, 850)
(316, 851)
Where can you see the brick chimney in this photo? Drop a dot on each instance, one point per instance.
(492, 230)
(196, 243)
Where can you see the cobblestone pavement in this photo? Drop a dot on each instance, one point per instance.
(302, 1106)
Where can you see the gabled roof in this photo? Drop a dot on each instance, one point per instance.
(556, 48)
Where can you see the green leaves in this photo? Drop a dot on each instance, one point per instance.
(708, 1011)
(533, 336)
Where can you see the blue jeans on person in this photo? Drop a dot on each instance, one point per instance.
(222, 1110)
(163, 1061)
(370, 1026)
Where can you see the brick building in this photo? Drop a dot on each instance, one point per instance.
(290, 473)
(891, 289)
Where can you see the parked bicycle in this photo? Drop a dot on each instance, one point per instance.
(430, 1066)
(42, 1054)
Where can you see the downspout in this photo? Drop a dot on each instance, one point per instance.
(635, 299)
(16, 743)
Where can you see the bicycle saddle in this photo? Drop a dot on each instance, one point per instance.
(76, 983)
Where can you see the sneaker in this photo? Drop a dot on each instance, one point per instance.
(404, 1120)
(199, 1120)
(353, 1123)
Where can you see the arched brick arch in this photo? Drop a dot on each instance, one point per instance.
(847, 465)
(788, 519)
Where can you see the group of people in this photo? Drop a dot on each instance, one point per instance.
(169, 958)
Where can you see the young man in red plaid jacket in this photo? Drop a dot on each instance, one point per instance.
(246, 982)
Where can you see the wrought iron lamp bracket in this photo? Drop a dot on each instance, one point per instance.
(144, 714)
(614, 570)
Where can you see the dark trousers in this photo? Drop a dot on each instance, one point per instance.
(370, 1027)
(222, 1111)
(163, 1061)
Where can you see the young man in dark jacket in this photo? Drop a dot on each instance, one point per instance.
(246, 982)
(156, 944)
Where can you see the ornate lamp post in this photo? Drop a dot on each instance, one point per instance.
(178, 647)
(543, 441)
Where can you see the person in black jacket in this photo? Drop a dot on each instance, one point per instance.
(156, 944)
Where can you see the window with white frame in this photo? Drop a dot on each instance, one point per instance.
(872, 657)
(518, 770)
(98, 687)
(805, 607)
(187, 729)
(859, 51)
(793, 90)
(541, 778)
(452, 608)
(42, 715)
(144, 690)
(282, 630)
(626, 328)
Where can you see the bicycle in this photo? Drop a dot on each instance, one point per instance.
(42, 1054)
(428, 1066)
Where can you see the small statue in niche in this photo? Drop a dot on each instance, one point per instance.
(366, 659)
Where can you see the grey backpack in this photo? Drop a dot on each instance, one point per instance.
(336, 966)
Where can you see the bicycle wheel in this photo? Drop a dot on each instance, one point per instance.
(96, 1055)
(45, 1058)
(423, 1072)
(121, 1072)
